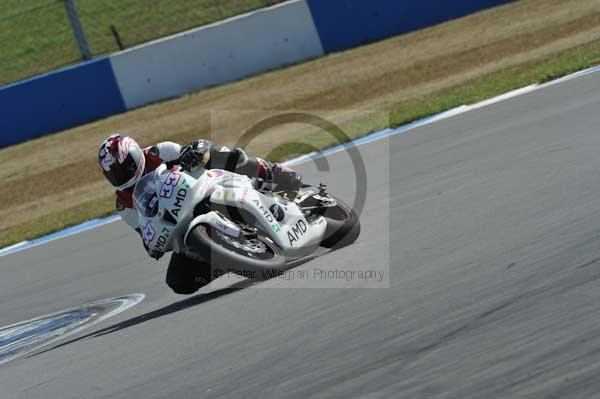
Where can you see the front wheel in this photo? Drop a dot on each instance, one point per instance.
(256, 257)
(343, 226)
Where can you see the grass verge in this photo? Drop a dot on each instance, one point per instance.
(508, 79)
(59, 220)
(473, 91)
(564, 63)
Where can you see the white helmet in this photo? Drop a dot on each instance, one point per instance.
(122, 161)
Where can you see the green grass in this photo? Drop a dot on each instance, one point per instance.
(476, 90)
(59, 220)
(36, 36)
(488, 86)
(505, 80)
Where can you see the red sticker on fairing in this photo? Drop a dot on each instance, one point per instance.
(244, 197)
(215, 173)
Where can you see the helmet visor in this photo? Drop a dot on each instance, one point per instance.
(119, 174)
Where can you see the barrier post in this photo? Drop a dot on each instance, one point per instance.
(78, 32)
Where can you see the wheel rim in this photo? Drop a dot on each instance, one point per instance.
(254, 245)
(255, 248)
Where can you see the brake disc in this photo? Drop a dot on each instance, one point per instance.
(253, 245)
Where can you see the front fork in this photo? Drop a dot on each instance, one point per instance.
(216, 220)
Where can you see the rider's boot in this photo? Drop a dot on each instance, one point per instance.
(278, 178)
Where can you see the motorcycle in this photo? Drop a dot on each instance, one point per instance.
(220, 217)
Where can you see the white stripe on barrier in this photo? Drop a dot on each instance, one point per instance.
(218, 53)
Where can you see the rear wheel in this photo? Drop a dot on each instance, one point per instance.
(254, 257)
(343, 226)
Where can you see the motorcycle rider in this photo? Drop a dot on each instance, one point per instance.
(123, 162)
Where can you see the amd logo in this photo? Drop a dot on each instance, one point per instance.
(162, 239)
(297, 231)
(264, 211)
(179, 198)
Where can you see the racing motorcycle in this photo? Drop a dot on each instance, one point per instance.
(220, 217)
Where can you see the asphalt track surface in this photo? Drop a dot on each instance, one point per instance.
(489, 223)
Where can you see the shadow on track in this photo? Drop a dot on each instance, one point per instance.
(164, 311)
(174, 307)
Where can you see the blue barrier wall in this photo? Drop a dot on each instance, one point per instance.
(343, 24)
(58, 100)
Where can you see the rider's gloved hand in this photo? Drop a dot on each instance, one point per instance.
(287, 179)
(155, 254)
(192, 155)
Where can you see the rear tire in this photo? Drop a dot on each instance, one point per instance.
(221, 252)
(343, 226)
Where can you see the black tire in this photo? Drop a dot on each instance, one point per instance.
(185, 275)
(343, 226)
(223, 257)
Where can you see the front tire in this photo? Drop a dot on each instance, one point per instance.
(257, 258)
(343, 226)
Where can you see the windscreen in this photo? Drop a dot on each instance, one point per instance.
(144, 196)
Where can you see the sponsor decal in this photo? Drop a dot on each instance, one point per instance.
(274, 225)
(185, 183)
(148, 232)
(153, 202)
(166, 191)
(277, 211)
(230, 182)
(179, 199)
(220, 225)
(264, 211)
(225, 225)
(161, 241)
(297, 231)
